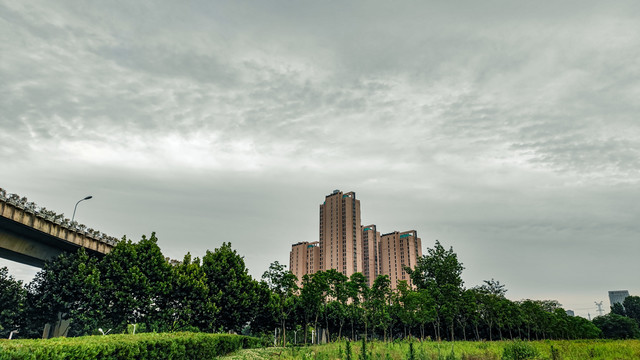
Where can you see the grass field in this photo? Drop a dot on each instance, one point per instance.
(554, 350)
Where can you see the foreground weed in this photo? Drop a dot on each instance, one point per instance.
(363, 355)
(412, 354)
(519, 350)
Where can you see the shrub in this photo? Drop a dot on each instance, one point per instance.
(122, 346)
(519, 350)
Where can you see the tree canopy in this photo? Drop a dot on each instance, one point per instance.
(136, 287)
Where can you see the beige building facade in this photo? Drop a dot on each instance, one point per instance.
(304, 258)
(348, 247)
(370, 241)
(397, 250)
(340, 233)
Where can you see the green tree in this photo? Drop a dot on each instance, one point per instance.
(426, 310)
(632, 307)
(468, 311)
(234, 292)
(492, 305)
(189, 303)
(618, 309)
(614, 326)
(264, 318)
(583, 329)
(358, 289)
(13, 299)
(137, 281)
(440, 273)
(283, 285)
(408, 301)
(512, 317)
(377, 305)
(532, 315)
(337, 309)
(312, 295)
(70, 286)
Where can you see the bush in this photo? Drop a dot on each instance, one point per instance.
(139, 346)
(519, 350)
(614, 326)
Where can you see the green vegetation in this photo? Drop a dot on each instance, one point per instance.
(460, 350)
(12, 295)
(139, 346)
(135, 288)
(136, 284)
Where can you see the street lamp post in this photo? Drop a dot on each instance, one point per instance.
(74, 209)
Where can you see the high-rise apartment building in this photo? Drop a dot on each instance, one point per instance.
(370, 241)
(304, 258)
(348, 247)
(397, 250)
(340, 233)
(298, 259)
(313, 257)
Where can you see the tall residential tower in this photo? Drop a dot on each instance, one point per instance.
(304, 258)
(397, 250)
(340, 233)
(348, 247)
(370, 241)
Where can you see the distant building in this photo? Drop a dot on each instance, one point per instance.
(340, 233)
(348, 247)
(370, 241)
(570, 312)
(617, 296)
(304, 258)
(397, 250)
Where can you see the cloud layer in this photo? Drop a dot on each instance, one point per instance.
(506, 130)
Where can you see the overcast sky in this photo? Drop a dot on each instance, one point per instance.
(508, 130)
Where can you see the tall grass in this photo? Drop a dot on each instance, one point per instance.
(460, 350)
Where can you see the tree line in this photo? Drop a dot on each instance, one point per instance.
(136, 284)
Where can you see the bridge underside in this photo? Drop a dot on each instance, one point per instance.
(29, 246)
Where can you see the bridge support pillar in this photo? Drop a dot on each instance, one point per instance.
(58, 329)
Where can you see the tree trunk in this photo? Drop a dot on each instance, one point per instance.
(284, 333)
(352, 331)
(326, 322)
(315, 328)
(464, 332)
(452, 339)
(365, 329)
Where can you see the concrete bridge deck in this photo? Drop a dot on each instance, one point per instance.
(31, 236)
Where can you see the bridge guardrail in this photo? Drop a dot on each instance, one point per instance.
(50, 216)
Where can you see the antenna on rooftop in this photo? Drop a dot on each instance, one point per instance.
(599, 305)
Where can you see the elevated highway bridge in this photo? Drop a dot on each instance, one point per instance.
(31, 236)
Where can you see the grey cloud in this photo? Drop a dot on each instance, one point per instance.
(167, 62)
(498, 128)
